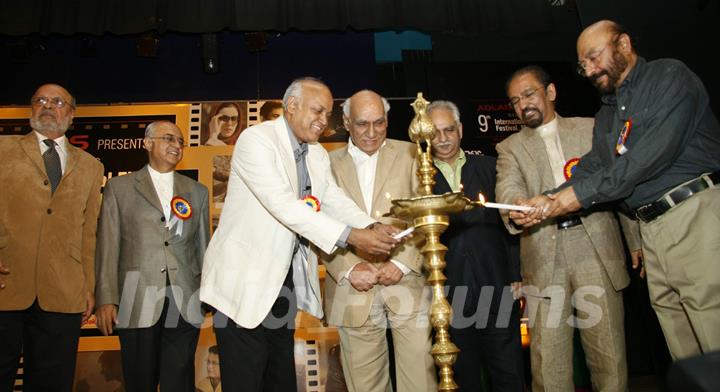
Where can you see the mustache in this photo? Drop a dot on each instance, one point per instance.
(527, 111)
(597, 76)
(47, 112)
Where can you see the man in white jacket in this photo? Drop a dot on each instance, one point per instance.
(258, 267)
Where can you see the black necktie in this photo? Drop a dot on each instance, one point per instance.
(52, 164)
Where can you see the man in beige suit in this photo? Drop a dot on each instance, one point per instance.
(152, 236)
(364, 295)
(49, 206)
(575, 263)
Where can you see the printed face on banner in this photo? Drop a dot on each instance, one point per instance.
(222, 122)
(270, 110)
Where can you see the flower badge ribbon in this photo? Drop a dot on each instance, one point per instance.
(181, 211)
(312, 202)
(620, 148)
(570, 167)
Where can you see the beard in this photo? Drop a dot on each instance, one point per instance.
(532, 122)
(614, 71)
(48, 123)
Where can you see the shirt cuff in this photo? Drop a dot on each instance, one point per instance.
(586, 194)
(346, 276)
(405, 270)
(342, 241)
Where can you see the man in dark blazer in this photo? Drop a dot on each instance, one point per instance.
(49, 205)
(152, 235)
(483, 265)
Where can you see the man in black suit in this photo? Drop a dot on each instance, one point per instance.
(483, 265)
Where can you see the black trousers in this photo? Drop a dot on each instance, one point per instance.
(162, 354)
(498, 349)
(47, 340)
(261, 358)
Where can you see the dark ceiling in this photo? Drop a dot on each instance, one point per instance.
(462, 31)
(193, 16)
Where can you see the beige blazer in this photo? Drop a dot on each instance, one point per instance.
(523, 171)
(47, 240)
(136, 253)
(250, 252)
(394, 178)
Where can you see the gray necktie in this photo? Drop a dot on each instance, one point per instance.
(52, 164)
(302, 171)
(305, 188)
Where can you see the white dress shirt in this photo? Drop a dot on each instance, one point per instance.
(61, 148)
(551, 137)
(365, 166)
(163, 183)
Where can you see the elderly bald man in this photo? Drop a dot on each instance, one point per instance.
(655, 151)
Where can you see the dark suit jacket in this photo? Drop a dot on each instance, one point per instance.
(480, 250)
(137, 254)
(47, 240)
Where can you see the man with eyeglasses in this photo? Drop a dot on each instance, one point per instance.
(573, 267)
(656, 147)
(366, 295)
(152, 235)
(483, 266)
(49, 206)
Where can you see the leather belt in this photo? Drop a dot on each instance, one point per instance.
(568, 221)
(651, 211)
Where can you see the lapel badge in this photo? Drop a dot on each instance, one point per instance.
(620, 148)
(570, 167)
(312, 202)
(182, 211)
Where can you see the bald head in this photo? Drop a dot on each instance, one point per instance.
(307, 106)
(164, 143)
(603, 28)
(53, 109)
(365, 118)
(605, 55)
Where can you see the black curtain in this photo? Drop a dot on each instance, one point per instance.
(192, 16)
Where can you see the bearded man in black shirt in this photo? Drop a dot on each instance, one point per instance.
(656, 145)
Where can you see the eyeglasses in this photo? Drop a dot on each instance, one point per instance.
(528, 95)
(228, 118)
(54, 102)
(170, 139)
(593, 57)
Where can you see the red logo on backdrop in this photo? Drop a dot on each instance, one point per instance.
(80, 141)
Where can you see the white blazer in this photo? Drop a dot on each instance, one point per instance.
(251, 250)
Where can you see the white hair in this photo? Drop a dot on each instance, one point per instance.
(150, 128)
(447, 105)
(295, 89)
(346, 104)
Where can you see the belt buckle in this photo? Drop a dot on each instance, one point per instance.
(567, 222)
(645, 213)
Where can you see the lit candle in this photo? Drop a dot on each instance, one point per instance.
(501, 206)
(404, 233)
